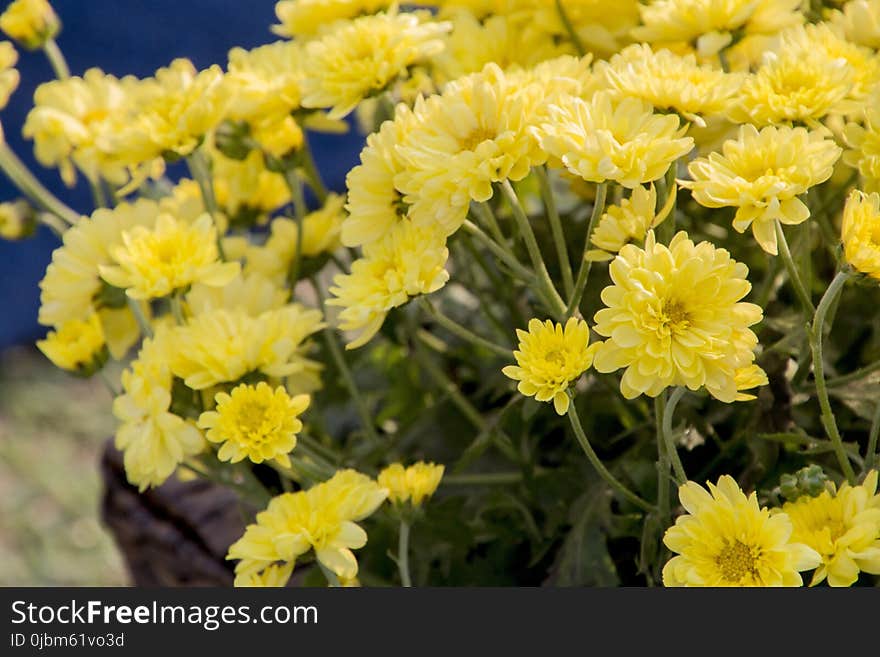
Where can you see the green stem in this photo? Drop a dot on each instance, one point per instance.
(583, 274)
(860, 373)
(313, 175)
(294, 183)
(557, 305)
(816, 332)
(871, 453)
(482, 479)
(19, 174)
(793, 273)
(139, 316)
(665, 415)
(599, 466)
(572, 34)
(662, 462)
(500, 252)
(200, 169)
(403, 554)
(556, 229)
(347, 376)
(177, 309)
(487, 216)
(466, 334)
(56, 59)
(53, 222)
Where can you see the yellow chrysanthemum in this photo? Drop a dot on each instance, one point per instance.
(474, 134)
(306, 18)
(16, 220)
(9, 76)
(762, 174)
(77, 345)
(274, 576)
(222, 346)
(629, 221)
(860, 22)
(364, 57)
(265, 81)
(726, 539)
(153, 263)
(154, 440)
(407, 262)
(246, 190)
(747, 378)
(864, 141)
(613, 139)
(844, 528)
(413, 484)
(674, 317)
(861, 232)
(710, 25)
(251, 293)
(70, 118)
(672, 82)
(550, 358)
(30, 22)
(321, 518)
(255, 422)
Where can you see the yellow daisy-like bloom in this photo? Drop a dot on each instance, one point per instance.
(613, 139)
(252, 293)
(550, 358)
(255, 422)
(265, 81)
(274, 576)
(322, 518)
(860, 22)
(628, 222)
(413, 484)
(153, 263)
(710, 25)
(69, 119)
(844, 528)
(474, 134)
(16, 220)
(77, 345)
(864, 141)
(222, 346)
(306, 18)
(364, 57)
(762, 174)
(246, 190)
(674, 318)
(407, 262)
(9, 76)
(861, 232)
(672, 82)
(154, 440)
(30, 22)
(726, 539)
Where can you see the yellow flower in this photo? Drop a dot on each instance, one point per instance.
(474, 134)
(864, 141)
(9, 77)
(77, 345)
(306, 18)
(222, 346)
(154, 440)
(275, 576)
(861, 232)
(860, 21)
(265, 81)
(255, 422)
(16, 220)
(251, 293)
(550, 358)
(69, 120)
(246, 190)
(710, 25)
(628, 222)
(672, 82)
(321, 518)
(674, 318)
(30, 22)
(363, 57)
(153, 263)
(762, 174)
(613, 139)
(407, 262)
(726, 539)
(413, 484)
(844, 528)
(746, 378)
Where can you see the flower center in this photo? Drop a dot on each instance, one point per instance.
(251, 420)
(475, 138)
(674, 317)
(556, 356)
(736, 561)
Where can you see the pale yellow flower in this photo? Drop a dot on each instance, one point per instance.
(274, 576)
(16, 220)
(674, 317)
(860, 22)
(255, 423)
(550, 358)
(77, 345)
(246, 190)
(726, 539)
(613, 139)
(861, 232)
(762, 174)
(864, 140)
(9, 76)
(30, 22)
(153, 263)
(252, 293)
(413, 484)
(306, 18)
(629, 221)
(843, 527)
(265, 81)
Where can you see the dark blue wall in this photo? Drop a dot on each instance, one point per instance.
(126, 37)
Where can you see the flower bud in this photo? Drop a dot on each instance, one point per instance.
(30, 22)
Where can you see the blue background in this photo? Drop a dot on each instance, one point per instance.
(126, 37)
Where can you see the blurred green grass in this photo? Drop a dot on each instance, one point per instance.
(52, 429)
